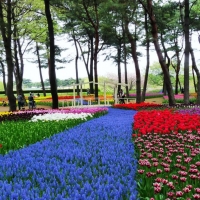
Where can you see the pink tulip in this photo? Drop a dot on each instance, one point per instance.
(197, 190)
(182, 173)
(183, 179)
(196, 196)
(191, 170)
(175, 177)
(186, 190)
(193, 176)
(193, 166)
(189, 186)
(140, 171)
(167, 169)
(157, 189)
(156, 184)
(170, 194)
(179, 193)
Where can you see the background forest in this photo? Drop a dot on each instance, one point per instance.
(117, 30)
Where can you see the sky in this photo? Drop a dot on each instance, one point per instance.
(31, 70)
(105, 68)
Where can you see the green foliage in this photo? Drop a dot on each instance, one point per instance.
(15, 135)
(1, 86)
(156, 76)
(194, 15)
(108, 17)
(155, 79)
(181, 101)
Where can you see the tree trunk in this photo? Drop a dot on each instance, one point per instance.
(21, 59)
(125, 66)
(119, 65)
(6, 31)
(19, 66)
(76, 64)
(40, 69)
(176, 67)
(90, 57)
(167, 62)
(194, 66)
(194, 80)
(4, 76)
(187, 53)
(91, 79)
(169, 88)
(125, 59)
(52, 72)
(148, 60)
(95, 25)
(17, 71)
(135, 59)
(95, 63)
(177, 70)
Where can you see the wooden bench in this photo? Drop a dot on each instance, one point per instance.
(126, 99)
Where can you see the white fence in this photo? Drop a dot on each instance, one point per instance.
(88, 102)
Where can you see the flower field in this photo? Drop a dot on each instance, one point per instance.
(168, 149)
(140, 151)
(139, 106)
(93, 160)
(65, 100)
(19, 129)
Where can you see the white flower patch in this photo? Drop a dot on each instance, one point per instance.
(60, 116)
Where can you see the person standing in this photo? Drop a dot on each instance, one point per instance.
(30, 101)
(20, 101)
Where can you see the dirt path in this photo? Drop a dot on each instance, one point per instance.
(158, 100)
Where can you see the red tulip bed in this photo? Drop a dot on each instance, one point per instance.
(167, 143)
(139, 106)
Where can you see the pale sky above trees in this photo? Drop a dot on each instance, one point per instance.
(105, 67)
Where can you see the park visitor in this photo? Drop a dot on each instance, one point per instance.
(31, 101)
(121, 96)
(20, 101)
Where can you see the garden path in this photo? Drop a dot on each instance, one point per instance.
(158, 100)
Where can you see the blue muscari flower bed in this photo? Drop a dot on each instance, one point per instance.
(94, 160)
